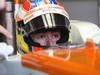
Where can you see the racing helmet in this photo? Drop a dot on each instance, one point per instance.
(53, 18)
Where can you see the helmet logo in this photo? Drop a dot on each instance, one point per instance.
(37, 3)
(26, 5)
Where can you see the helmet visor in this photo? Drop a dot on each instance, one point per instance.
(46, 22)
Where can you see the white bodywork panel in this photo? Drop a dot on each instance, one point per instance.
(82, 30)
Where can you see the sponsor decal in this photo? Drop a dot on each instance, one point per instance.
(33, 8)
(37, 3)
(26, 5)
(50, 8)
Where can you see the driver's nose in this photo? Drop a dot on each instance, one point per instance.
(52, 38)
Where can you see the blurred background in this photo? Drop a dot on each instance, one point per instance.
(85, 10)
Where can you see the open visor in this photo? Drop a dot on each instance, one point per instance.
(48, 22)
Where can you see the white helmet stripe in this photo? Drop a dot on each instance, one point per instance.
(45, 23)
(53, 21)
(49, 20)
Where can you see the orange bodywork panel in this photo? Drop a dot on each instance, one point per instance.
(66, 61)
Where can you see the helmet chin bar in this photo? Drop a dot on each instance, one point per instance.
(47, 38)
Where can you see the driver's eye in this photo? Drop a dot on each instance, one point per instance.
(56, 35)
(42, 36)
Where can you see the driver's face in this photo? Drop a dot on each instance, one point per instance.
(47, 38)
